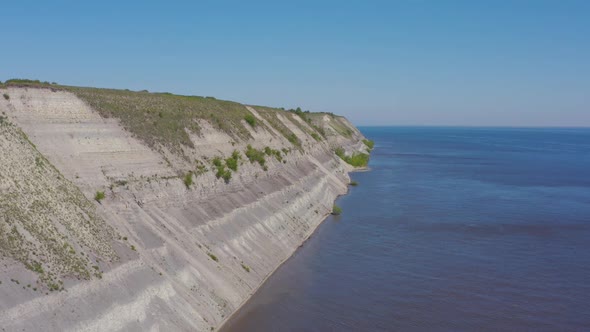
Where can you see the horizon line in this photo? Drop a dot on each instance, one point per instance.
(478, 126)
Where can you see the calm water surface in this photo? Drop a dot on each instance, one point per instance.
(453, 229)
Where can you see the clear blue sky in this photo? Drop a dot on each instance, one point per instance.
(377, 62)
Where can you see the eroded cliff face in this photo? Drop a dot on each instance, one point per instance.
(176, 243)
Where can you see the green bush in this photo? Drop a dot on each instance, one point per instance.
(35, 267)
(99, 196)
(353, 183)
(250, 119)
(22, 81)
(356, 160)
(188, 179)
(293, 139)
(232, 162)
(213, 257)
(336, 210)
(255, 155)
(6, 96)
(277, 155)
(223, 173)
(201, 169)
(217, 162)
(369, 143)
(236, 155)
(272, 152)
(316, 137)
(359, 160)
(245, 267)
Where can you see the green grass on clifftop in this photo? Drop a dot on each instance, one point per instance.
(166, 120)
(157, 118)
(162, 118)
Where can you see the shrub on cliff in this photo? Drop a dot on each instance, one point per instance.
(293, 139)
(255, 155)
(250, 119)
(232, 162)
(188, 179)
(6, 96)
(272, 152)
(217, 162)
(223, 173)
(356, 160)
(99, 196)
(369, 143)
(359, 160)
(336, 210)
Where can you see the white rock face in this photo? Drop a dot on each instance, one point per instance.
(187, 257)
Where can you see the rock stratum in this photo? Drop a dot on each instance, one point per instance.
(124, 210)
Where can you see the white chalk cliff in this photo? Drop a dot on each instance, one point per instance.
(158, 252)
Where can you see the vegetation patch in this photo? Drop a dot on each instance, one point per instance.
(336, 210)
(369, 143)
(213, 257)
(341, 128)
(353, 183)
(294, 140)
(356, 160)
(272, 152)
(188, 179)
(255, 155)
(250, 119)
(164, 118)
(99, 196)
(270, 115)
(222, 172)
(320, 130)
(201, 168)
(232, 162)
(246, 267)
(6, 96)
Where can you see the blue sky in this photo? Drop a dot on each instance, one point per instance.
(377, 62)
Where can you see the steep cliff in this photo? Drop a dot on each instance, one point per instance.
(124, 210)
